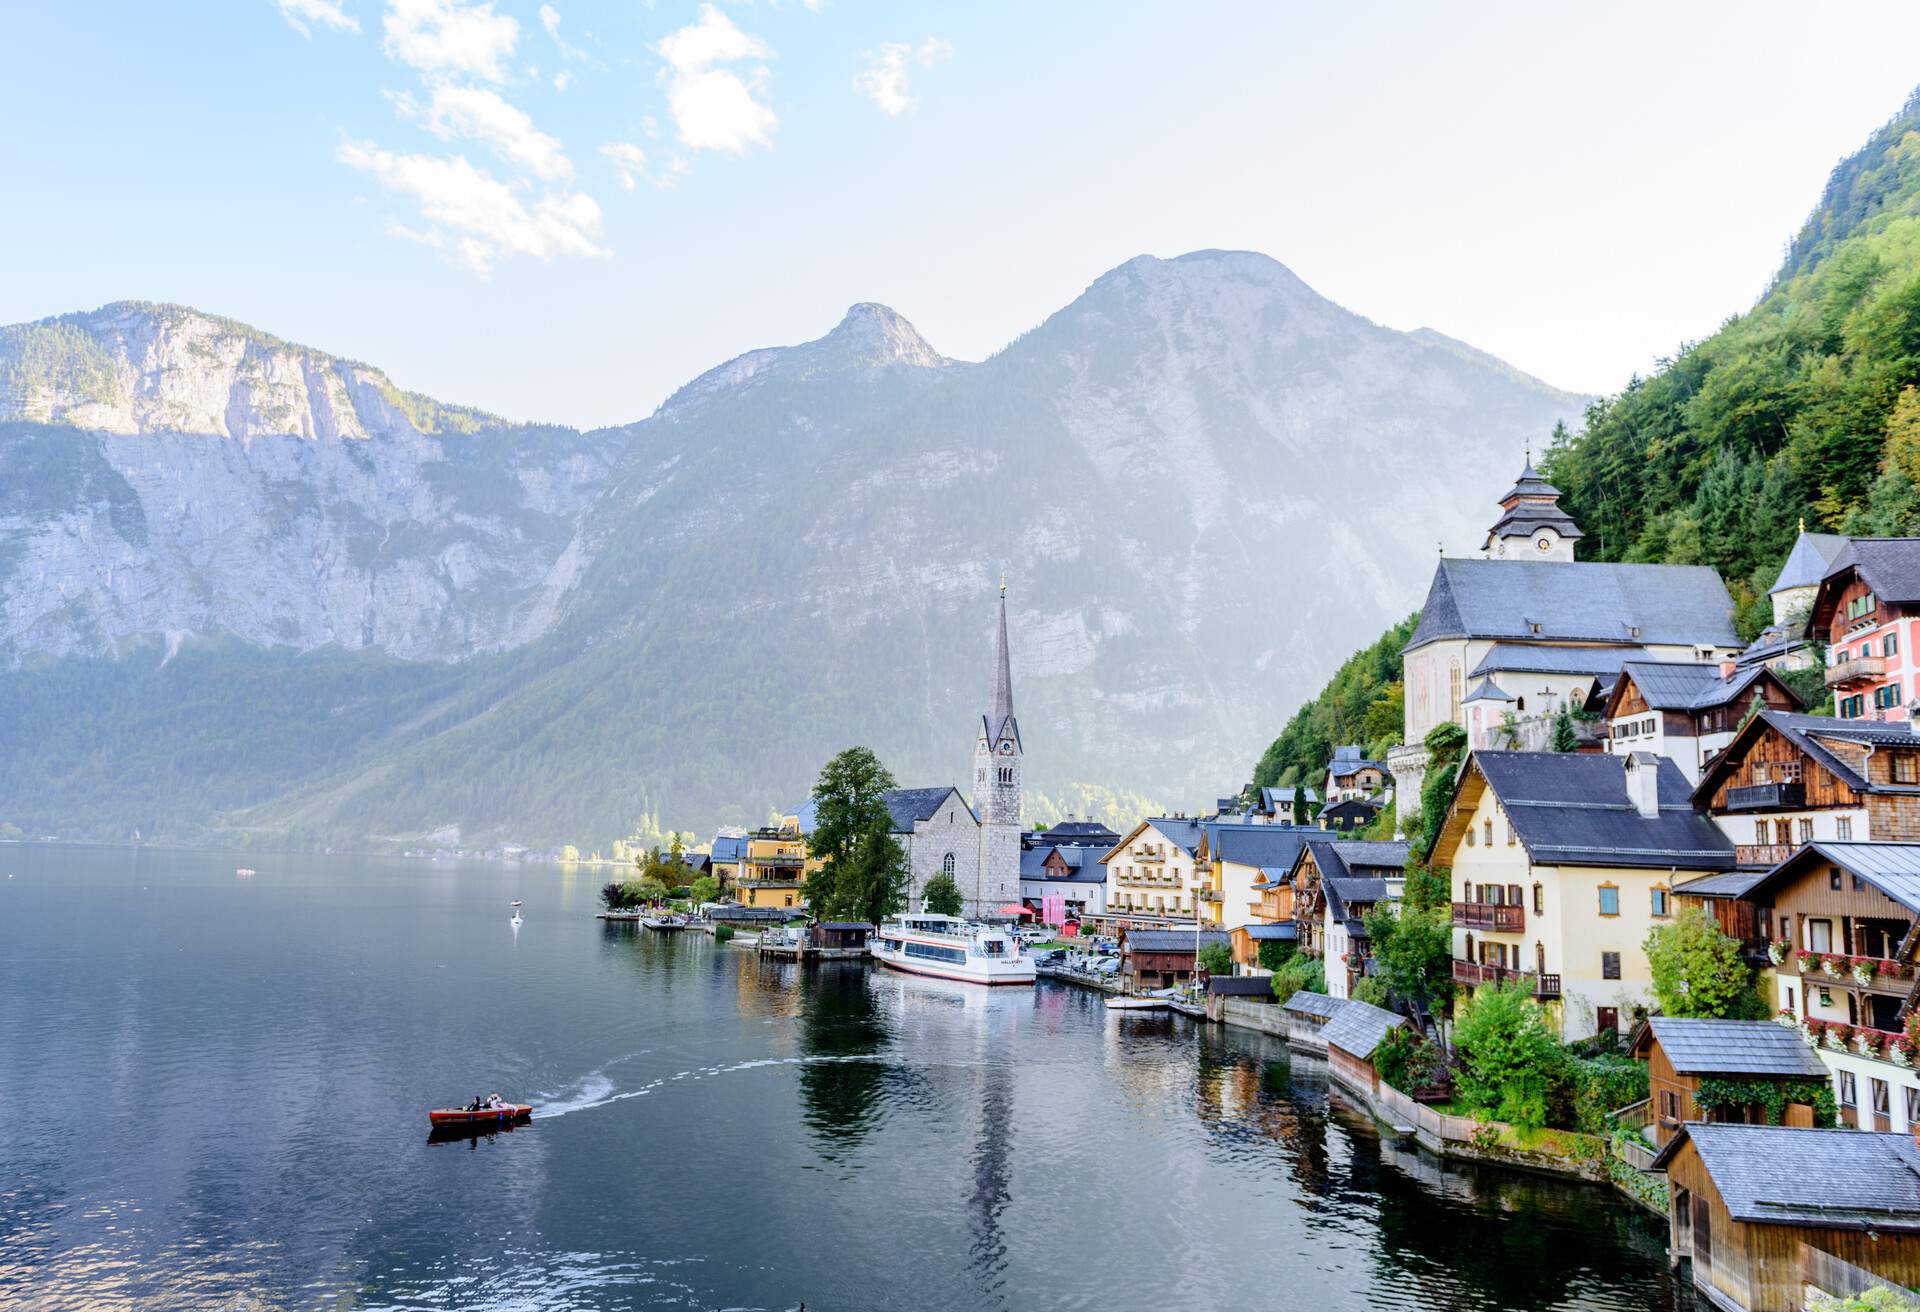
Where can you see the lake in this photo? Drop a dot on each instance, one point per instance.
(217, 1091)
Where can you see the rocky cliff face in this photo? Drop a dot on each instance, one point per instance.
(168, 472)
(1205, 483)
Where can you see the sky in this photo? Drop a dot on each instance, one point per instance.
(562, 211)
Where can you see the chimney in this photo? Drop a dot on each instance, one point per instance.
(1643, 783)
(1727, 667)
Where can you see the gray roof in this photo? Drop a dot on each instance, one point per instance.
(1893, 868)
(1265, 846)
(1531, 658)
(1241, 986)
(907, 805)
(1285, 793)
(1285, 931)
(1571, 601)
(1690, 685)
(1486, 691)
(1890, 566)
(1572, 808)
(1829, 1179)
(1172, 940)
(1812, 556)
(1732, 884)
(1181, 831)
(1364, 854)
(1359, 1027)
(1087, 832)
(1033, 862)
(1735, 1047)
(1805, 732)
(1313, 1004)
(729, 848)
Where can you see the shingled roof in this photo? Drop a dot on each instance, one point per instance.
(1732, 1047)
(907, 805)
(1576, 601)
(1812, 556)
(1572, 809)
(1893, 868)
(1690, 685)
(1890, 566)
(1307, 1003)
(1359, 1027)
(1266, 846)
(1806, 732)
(1241, 986)
(1826, 1179)
(1531, 658)
(1172, 940)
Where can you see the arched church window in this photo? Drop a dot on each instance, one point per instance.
(1453, 691)
(946, 864)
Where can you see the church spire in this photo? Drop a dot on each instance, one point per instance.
(1000, 703)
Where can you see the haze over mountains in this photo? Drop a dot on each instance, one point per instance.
(252, 591)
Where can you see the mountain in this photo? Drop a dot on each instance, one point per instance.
(1801, 408)
(1203, 482)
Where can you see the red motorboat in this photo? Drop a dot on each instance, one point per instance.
(505, 1114)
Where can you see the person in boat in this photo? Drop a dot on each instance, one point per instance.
(475, 1105)
(494, 1102)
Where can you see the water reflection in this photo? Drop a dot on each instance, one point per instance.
(842, 1093)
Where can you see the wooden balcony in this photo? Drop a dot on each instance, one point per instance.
(1884, 975)
(1861, 669)
(1510, 919)
(1473, 973)
(1765, 855)
(1767, 797)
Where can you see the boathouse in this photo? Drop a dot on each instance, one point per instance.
(1161, 958)
(1765, 1211)
(1307, 1016)
(1352, 1035)
(830, 940)
(1747, 1065)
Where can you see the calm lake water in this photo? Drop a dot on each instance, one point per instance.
(217, 1092)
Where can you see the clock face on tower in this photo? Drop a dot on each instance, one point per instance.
(1543, 543)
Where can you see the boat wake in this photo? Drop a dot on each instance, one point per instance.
(596, 1089)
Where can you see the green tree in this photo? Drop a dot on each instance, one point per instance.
(1413, 953)
(1510, 1059)
(1374, 993)
(706, 889)
(1302, 972)
(1274, 953)
(863, 875)
(653, 891)
(1698, 971)
(1446, 744)
(1564, 737)
(1216, 959)
(942, 895)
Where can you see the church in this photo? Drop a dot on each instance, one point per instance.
(978, 843)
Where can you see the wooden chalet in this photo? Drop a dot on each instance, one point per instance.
(1786, 780)
(1270, 918)
(1681, 1051)
(1764, 1212)
(1688, 711)
(1161, 958)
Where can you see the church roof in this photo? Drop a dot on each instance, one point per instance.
(1485, 691)
(1538, 601)
(1812, 556)
(907, 805)
(999, 721)
(1530, 484)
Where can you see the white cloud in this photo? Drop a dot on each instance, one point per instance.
(885, 82)
(714, 107)
(473, 217)
(300, 14)
(562, 80)
(629, 161)
(550, 19)
(485, 115)
(449, 37)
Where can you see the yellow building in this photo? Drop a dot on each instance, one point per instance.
(773, 868)
(1562, 864)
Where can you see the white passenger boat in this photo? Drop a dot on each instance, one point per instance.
(947, 947)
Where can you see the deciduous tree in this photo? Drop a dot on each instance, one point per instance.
(864, 870)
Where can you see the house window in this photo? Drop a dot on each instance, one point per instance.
(1513, 895)
(1783, 832)
(1843, 828)
(1819, 936)
(1661, 898)
(1806, 829)
(1469, 835)
(1487, 833)
(1511, 838)
(1833, 877)
(1912, 1099)
(1760, 832)
(1903, 772)
(1606, 1018)
(1669, 1106)
(1849, 1096)
(1882, 1102)
(1609, 900)
(1609, 965)
(1539, 900)
(1790, 1007)
(1890, 645)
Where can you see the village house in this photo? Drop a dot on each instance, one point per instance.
(1765, 1212)
(1352, 1035)
(1152, 872)
(1335, 885)
(1842, 914)
(773, 868)
(1285, 805)
(1688, 711)
(1270, 921)
(1069, 872)
(1783, 644)
(1529, 592)
(1562, 864)
(1351, 775)
(1161, 958)
(1235, 860)
(1868, 609)
(1518, 688)
(1681, 1052)
(1786, 780)
(1349, 816)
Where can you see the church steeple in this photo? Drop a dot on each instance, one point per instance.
(998, 762)
(1000, 720)
(1531, 525)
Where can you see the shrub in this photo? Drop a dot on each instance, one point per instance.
(722, 933)
(1274, 954)
(1373, 991)
(1216, 959)
(1300, 973)
(1598, 1086)
(1509, 1058)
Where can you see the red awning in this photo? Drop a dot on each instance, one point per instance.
(1014, 909)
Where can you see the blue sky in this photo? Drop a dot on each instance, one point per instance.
(564, 210)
